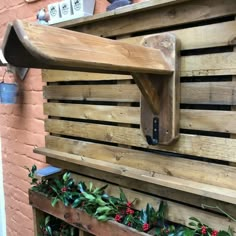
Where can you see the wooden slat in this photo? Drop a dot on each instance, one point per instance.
(122, 114)
(211, 147)
(209, 64)
(209, 191)
(179, 167)
(190, 119)
(182, 13)
(119, 93)
(218, 121)
(209, 93)
(174, 209)
(191, 93)
(205, 36)
(61, 75)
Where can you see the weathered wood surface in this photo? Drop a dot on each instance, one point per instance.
(176, 195)
(208, 120)
(96, 54)
(179, 14)
(221, 175)
(208, 64)
(174, 209)
(206, 190)
(201, 146)
(80, 219)
(191, 93)
(142, 6)
(161, 94)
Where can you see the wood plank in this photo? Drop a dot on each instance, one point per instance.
(120, 114)
(190, 119)
(209, 93)
(38, 216)
(96, 54)
(176, 195)
(191, 93)
(182, 13)
(198, 171)
(209, 64)
(80, 219)
(113, 93)
(218, 121)
(62, 75)
(206, 36)
(174, 209)
(211, 147)
(209, 191)
(138, 7)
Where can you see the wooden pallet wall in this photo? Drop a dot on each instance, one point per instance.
(93, 119)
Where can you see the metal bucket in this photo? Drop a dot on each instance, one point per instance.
(8, 93)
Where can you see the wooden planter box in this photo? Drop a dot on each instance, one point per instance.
(79, 219)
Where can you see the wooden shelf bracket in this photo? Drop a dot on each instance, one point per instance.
(154, 66)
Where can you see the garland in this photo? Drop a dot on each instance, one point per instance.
(97, 203)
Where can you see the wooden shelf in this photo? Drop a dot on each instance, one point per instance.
(80, 219)
(201, 189)
(130, 9)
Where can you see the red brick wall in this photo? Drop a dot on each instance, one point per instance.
(21, 126)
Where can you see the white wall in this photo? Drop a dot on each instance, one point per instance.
(2, 201)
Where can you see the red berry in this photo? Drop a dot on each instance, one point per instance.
(129, 224)
(146, 227)
(204, 230)
(64, 189)
(118, 218)
(214, 233)
(129, 204)
(129, 211)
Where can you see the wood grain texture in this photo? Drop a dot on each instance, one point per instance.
(139, 7)
(208, 64)
(179, 14)
(83, 52)
(209, 191)
(196, 37)
(211, 147)
(190, 119)
(167, 165)
(62, 75)
(191, 93)
(176, 195)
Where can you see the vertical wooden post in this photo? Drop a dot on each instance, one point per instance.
(38, 216)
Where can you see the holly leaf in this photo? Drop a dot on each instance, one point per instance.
(76, 202)
(49, 230)
(143, 216)
(47, 220)
(223, 233)
(123, 198)
(196, 220)
(54, 201)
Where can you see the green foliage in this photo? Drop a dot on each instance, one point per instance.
(52, 226)
(97, 203)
